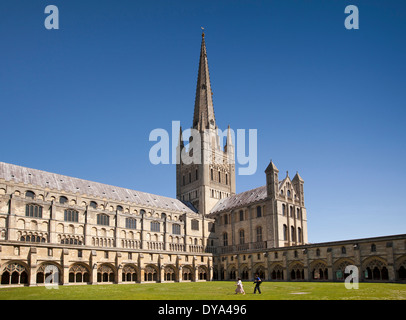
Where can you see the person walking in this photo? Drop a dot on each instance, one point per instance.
(257, 283)
(239, 288)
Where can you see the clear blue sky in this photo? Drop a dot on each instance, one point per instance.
(326, 101)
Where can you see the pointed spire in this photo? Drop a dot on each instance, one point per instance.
(180, 140)
(204, 111)
(272, 167)
(298, 177)
(229, 141)
(229, 147)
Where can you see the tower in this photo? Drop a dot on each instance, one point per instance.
(272, 180)
(210, 176)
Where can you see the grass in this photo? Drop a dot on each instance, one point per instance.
(215, 290)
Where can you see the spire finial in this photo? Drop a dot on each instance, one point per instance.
(202, 32)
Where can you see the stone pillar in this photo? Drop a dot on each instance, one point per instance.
(161, 273)
(391, 261)
(180, 275)
(11, 220)
(65, 265)
(195, 275)
(52, 225)
(330, 264)
(87, 229)
(357, 261)
(93, 266)
(250, 266)
(285, 263)
(32, 260)
(266, 264)
(119, 267)
(306, 268)
(141, 267)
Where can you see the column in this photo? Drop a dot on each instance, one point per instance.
(33, 267)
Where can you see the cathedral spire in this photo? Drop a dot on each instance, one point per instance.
(203, 116)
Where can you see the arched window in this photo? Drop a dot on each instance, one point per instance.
(155, 226)
(241, 215)
(225, 239)
(211, 174)
(131, 223)
(288, 193)
(14, 273)
(293, 233)
(33, 210)
(283, 209)
(259, 234)
(176, 229)
(299, 235)
(343, 250)
(63, 200)
(129, 274)
(298, 213)
(373, 247)
(195, 224)
(259, 211)
(103, 219)
(93, 204)
(285, 232)
(32, 238)
(30, 195)
(119, 208)
(105, 273)
(242, 236)
(71, 215)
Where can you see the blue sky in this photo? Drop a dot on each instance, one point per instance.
(326, 101)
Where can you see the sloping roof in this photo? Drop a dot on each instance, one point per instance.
(241, 199)
(43, 179)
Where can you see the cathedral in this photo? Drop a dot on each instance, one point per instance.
(66, 230)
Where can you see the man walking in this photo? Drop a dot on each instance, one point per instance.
(257, 282)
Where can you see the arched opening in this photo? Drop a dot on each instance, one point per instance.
(78, 273)
(150, 273)
(14, 273)
(187, 274)
(129, 274)
(49, 274)
(105, 273)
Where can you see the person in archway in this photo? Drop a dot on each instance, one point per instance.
(257, 282)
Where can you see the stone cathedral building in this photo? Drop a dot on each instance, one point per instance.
(65, 230)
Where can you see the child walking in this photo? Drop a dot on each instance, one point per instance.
(239, 288)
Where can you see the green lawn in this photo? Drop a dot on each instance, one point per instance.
(210, 291)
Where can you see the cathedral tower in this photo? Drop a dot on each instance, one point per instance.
(212, 177)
